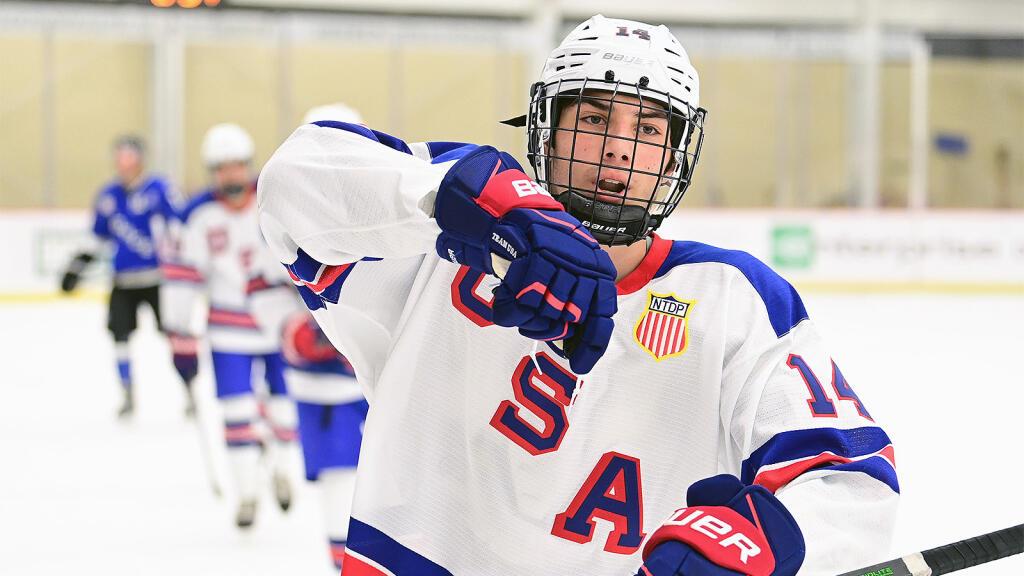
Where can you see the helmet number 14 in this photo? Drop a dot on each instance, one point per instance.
(640, 32)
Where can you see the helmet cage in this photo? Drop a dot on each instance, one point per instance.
(611, 218)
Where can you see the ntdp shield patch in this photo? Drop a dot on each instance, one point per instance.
(661, 331)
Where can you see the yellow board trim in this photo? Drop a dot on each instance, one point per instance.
(50, 297)
(963, 288)
(911, 287)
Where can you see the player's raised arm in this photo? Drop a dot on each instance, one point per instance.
(337, 193)
(342, 192)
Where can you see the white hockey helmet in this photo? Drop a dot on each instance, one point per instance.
(610, 57)
(225, 143)
(337, 112)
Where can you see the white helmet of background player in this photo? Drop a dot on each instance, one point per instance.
(224, 143)
(611, 59)
(337, 112)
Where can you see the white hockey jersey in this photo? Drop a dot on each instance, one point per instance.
(484, 454)
(218, 248)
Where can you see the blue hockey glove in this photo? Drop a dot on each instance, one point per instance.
(727, 529)
(559, 285)
(186, 360)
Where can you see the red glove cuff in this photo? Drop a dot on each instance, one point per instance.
(719, 534)
(513, 189)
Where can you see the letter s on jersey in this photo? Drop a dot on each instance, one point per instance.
(544, 406)
(611, 492)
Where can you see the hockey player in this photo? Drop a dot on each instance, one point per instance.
(661, 408)
(330, 404)
(331, 414)
(219, 246)
(331, 407)
(132, 216)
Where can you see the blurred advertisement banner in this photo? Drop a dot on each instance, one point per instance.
(974, 251)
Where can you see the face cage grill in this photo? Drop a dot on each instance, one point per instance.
(612, 218)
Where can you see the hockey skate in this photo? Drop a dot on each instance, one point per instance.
(282, 491)
(127, 405)
(246, 514)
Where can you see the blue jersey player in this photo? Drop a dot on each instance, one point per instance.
(132, 215)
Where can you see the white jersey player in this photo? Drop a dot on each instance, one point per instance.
(220, 244)
(330, 403)
(331, 409)
(664, 408)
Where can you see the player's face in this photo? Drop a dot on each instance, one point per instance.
(618, 149)
(128, 163)
(232, 180)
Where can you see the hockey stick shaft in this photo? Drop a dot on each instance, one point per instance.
(952, 557)
(206, 452)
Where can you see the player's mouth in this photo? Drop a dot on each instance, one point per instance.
(610, 189)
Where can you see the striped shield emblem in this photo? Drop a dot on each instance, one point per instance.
(661, 331)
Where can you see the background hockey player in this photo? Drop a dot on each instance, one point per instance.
(331, 414)
(132, 217)
(219, 248)
(330, 404)
(673, 391)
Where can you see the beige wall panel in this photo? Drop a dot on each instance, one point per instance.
(358, 76)
(819, 150)
(513, 99)
(984, 102)
(895, 159)
(21, 122)
(702, 192)
(387, 84)
(230, 82)
(741, 133)
(451, 94)
(102, 91)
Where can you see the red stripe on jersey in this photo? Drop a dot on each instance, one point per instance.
(240, 434)
(257, 284)
(179, 272)
(229, 318)
(285, 434)
(356, 565)
(778, 477)
(329, 275)
(651, 321)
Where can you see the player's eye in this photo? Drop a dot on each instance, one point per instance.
(649, 130)
(592, 119)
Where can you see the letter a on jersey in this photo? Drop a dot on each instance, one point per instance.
(661, 331)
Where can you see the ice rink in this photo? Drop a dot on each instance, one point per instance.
(82, 493)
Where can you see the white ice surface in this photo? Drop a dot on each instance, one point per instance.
(81, 493)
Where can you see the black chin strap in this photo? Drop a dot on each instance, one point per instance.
(609, 224)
